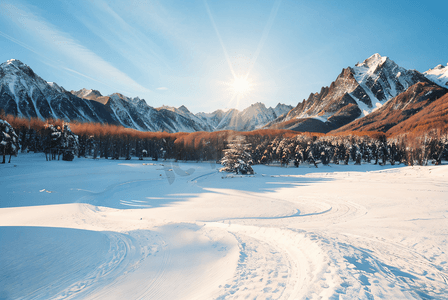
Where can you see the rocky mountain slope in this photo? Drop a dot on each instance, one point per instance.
(25, 94)
(434, 115)
(390, 117)
(355, 93)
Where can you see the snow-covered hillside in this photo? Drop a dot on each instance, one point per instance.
(108, 229)
(438, 75)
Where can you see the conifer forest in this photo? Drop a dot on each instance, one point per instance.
(287, 148)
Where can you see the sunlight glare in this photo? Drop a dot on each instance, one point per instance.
(241, 85)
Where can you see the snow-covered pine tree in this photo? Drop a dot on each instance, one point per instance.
(9, 141)
(70, 144)
(237, 158)
(59, 142)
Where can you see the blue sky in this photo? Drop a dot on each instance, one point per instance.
(189, 52)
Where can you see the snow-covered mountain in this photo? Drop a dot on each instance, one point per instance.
(253, 117)
(136, 113)
(282, 109)
(185, 113)
(212, 118)
(355, 93)
(87, 94)
(438, 75)
(25, 94)
(180, 119)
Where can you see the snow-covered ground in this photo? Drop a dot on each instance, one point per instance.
(102, 229)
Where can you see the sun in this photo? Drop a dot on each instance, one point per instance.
(241, 86)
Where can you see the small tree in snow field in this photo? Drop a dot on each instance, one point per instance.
(237, 158)
(63, 142)
(9, 141)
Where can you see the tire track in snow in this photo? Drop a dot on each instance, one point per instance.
(267, 275)
(403, 271)
(276, 264)
(377, 266)
(400, 266)
(121, 254)
(194, 180)
(176, 261)
(152, 289)
(299, 255)
(126, 254)
(294, 264)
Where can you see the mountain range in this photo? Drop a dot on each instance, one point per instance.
(25, 94)
(376, 94)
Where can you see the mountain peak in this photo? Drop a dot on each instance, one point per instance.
(87, 93)
(17, 67)
(15, 62)
(57, 87)
(439, 75)
(373, 61)
(184, 109)
(166, 107)
(439, 67)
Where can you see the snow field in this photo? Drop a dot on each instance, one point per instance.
(103, 229)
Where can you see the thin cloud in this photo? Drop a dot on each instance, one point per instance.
(88, 77)
(122, 36)
(20, 43)
(51, 38)
(162, 88)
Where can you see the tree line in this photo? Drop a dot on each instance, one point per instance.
(284, 147)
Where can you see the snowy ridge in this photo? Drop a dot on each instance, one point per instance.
(184, 115)
(25, 94)
(212, 118)
(281, 109)
(253, 117)
(87, 94)
(54, 85)
(438, 75)
(382, 79)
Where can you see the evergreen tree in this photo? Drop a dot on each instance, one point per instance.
(9, 141)
(298, 155)
(237, 158)
(61, 141)
(69, 144)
